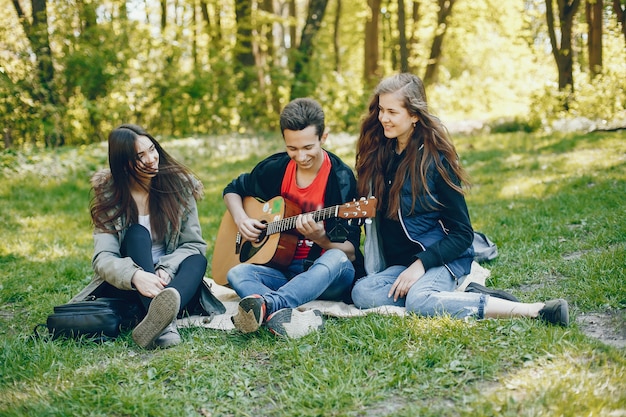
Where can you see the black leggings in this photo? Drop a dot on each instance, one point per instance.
(138, 246)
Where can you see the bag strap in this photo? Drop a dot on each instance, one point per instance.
(37, 331)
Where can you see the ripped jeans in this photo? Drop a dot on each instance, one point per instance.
(329, 278)
(432, 295)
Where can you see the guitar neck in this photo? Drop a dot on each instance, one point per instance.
(289, 223)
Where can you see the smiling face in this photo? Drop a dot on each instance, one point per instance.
(395, 118)
(147, 158)
(305, 148)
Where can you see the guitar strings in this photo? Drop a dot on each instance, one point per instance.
(289, 223)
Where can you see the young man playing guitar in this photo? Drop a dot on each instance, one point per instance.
(327, 253)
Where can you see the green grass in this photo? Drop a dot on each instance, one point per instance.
(554, 204)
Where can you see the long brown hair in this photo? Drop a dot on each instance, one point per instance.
(374, 150)
(169, 190)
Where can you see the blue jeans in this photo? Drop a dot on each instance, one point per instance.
(329, 278)
(432, 295)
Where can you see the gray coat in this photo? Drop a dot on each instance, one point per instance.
(110, 266)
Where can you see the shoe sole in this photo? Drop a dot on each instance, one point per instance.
(162, 311)
(293, 323)
(246, 319)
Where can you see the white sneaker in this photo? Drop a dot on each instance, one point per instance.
(289, 322)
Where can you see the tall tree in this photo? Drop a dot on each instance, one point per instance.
(336, 41)
(163, 14)
(293, 33)
(620, 14)
(593, 11)
(244, 56)
(265, 51)
(413, 40)
(302, 83)
(404, 52)
(372, 53)
(37, 34)
(562, 51)
(436, 50)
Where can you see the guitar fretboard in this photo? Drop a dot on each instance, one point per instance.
(289, 223)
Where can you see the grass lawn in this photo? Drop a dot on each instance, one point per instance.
(554, 204)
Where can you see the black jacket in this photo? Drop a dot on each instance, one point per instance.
(265, 180)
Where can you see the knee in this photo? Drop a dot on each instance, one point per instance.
(137, 233)
(420, 303)
(200, 260)
(362, 294)
(335, 259)
(235, 275)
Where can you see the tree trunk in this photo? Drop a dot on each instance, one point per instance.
(37, 34)
(413, 41)
(436, 50)
(563, 51)
(264, 55)
(244, 57)
(293, 34)
(593, 9)
(336, 43)
(8, 138)
(268, 7)
(303, 78)
(206, 18)
(404, 52)
(40, 41)
(620, 14)
(370, 62)
(163, 14)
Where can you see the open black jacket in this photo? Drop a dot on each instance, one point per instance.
(265, 180)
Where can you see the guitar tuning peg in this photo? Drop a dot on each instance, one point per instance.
(368, 221)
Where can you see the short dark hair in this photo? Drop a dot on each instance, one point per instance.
(302, 113)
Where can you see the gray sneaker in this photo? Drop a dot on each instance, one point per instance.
(169, 337)
(162, 311)
(289, 322)
(555, 312)
(250, 314)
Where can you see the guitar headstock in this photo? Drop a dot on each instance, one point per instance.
(362, 208)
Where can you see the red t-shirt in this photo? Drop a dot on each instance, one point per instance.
(309, 198)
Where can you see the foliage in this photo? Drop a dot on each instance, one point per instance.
(553, 204)
(115, 62)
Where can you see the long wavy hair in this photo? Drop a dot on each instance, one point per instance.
(169, 190)
(375, 151)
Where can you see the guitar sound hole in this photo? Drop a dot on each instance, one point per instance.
(262, 236)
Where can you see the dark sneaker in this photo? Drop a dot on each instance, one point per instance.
(476, 287)
(250, 314)
(162, 311)
(289, 322)
(555, 312)
(169, 337)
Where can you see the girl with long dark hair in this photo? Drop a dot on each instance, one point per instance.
(418, 249)
(148, 245)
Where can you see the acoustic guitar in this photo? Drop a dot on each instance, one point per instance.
(277, 243)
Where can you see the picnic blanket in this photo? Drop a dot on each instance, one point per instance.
(230, 299)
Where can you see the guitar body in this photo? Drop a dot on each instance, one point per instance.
(275, 250)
